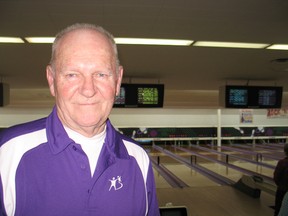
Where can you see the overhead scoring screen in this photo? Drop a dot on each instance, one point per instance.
(148, 95)
(140, 95)
(238, 96)
(267, 97)
(253, 97)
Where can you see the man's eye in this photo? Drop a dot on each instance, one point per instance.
(102, 75)
(71, 75)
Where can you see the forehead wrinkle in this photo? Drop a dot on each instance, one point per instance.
(69, 50)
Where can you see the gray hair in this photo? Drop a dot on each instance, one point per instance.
(84, 26)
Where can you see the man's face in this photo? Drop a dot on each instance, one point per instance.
(84, 82)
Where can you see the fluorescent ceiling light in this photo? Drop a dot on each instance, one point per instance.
(40, 39)
(278, 47)
(11, 40)
(230, 44)
(150, 41)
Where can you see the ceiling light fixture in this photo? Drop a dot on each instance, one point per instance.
(11, 40)
(230, 44)
(150, 41)
(278, 47)
(40, 39)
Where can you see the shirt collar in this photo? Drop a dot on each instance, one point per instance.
(56, 134)
(59, 140)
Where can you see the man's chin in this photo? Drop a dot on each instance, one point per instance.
(90, 122)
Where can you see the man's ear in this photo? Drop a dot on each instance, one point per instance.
(119, 80)
(50, 78)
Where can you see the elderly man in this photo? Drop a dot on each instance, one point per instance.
(74, 162)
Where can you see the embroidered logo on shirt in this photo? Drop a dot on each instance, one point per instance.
(116, 183)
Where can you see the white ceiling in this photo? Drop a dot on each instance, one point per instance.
(179, 68)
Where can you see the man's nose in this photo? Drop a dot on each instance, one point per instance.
(88, 87)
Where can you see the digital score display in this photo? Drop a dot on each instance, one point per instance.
(267, 97)
(238, 97)
(140, 95)
(148, 95)
(257, 97)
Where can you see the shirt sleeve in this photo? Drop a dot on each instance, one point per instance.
(2, 209)
(153, 208)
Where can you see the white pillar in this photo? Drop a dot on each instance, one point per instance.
(219, 127)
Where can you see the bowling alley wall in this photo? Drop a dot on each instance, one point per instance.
(179, 123)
